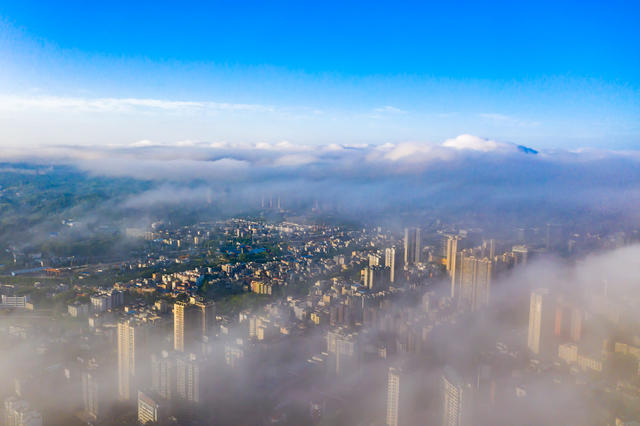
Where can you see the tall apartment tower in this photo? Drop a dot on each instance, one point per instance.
(181, 325)
(489, 248)
(568, 321)
(471, 280)
(375, 277)
(188, 378)
(450, 253)
(191, 322)
(343, 352)
(456, 408)
(390, 262)
(412, 246)
(577, 316)
(91, 394)
(482, 286)
(18, 413)
(205, 316)
(131, 340)
(346, 355)
(476, 276)
(397, 398)
(163, 375)
(149, 408)
(521, 254)
(541, 321)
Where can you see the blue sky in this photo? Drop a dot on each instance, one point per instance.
(547, 74)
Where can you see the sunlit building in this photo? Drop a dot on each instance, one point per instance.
(390, 262)
(471, 280)
(191, 322)
(149, 408)
(457, 399)
(541, 321)
(397, 398)
(131, 341)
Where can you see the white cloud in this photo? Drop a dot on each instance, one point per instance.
(458, 172)
(57, 103)
(389, 109)
(476, 143)
(294, 160)
(408, 151)
(465, 157)
(142, 143)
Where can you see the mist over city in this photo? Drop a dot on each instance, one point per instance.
(335, 213)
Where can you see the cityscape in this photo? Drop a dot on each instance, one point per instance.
(319, 213)
(308, 322)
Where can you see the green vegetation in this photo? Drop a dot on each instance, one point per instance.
(31, 195)
(232, 304)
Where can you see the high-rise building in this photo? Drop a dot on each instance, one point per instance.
(117, 298)
(233, 355)
(576, 324)
(92, 392)
(568, 321)
(163, 379)
(541, 321)
(450, 254)
(342, 350)
(456, 409)
(553, 236)
(390, 262)
(191, 322)
(18, 413)
(346, 356)
(482, 285)
(181, 326)
(412, 246)
(131, 341)
(428, 301)
(471, 280)
(205, 316)
(188, 377)
(375, 277)
(489, 248)
(521, 254)
(149, 408)
(397, 398)
(100, 302)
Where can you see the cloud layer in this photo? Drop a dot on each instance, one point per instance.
(465, 172)
(197, 160)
